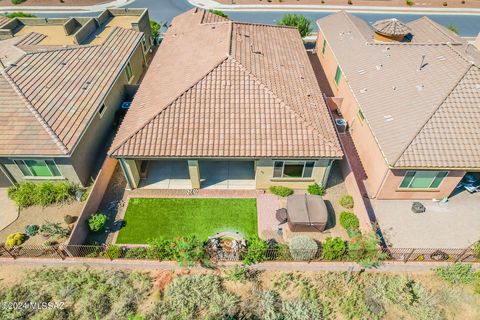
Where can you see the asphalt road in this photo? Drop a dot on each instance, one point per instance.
(164, 10)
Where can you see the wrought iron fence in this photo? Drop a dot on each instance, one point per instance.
(114, 252)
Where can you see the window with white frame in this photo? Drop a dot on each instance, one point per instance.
(38, 168)
(293, 169)
(423, 179)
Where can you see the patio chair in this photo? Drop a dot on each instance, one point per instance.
(281, 215)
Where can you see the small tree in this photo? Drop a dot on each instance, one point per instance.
(365, 249)
(299, 21)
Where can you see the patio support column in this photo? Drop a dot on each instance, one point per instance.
(131, 172)
(194, 171)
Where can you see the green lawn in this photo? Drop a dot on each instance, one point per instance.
(169, 218)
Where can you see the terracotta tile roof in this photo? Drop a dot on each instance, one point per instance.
(251, 93)
(62, 89)
(405, 89)
(3, 19)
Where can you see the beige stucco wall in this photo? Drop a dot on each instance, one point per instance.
(390, 189)
(381, 181)
(264, 175)
(89, 149)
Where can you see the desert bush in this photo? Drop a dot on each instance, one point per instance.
(97, 222)
(189, 296)
(457, 273)
(42, 194)
(365, 249)
(19, 15)
(113, 252)
(281, 191)
(303, 248)
(346, 201)
(52, 229)
(452, 28)
(136, 253)
(334, 249)
(349, 221)
(316, 189)
(14, 239)
(410, 2)
(299, 309)
(299, 21)
(31, 230)
(256, 251)
(237, 273)
(69, 219)
(270, 303)
(17, 1)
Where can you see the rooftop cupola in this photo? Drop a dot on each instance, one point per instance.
(390, 30)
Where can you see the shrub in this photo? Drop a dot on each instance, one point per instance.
(410, 2)
(51, 229)
(299, 309)
(452, 28)
(155, 27)
(281, 191)
(19, 15)
(113, 252)
(303, 248)
(188, 251)
(256, 251)
(69, 219)
(50, 242)
(97, 222)
(17, 1)
(299, 21)
(334, 248)
(22, 194)
(136, 253)
(476, 249)
(159, 249)
(31, 230)
(350, 2)
(237, 273)
(457, 273)
(365, 249)
(219, 13)
(316, 189)
(14, 239)
(445, 3)
(349, 221)
(42, 194)
(346, 201)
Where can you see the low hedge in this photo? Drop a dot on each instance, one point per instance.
(281, 191)
(316, 189)
(42, 194)
(349, 220)
(347, 201)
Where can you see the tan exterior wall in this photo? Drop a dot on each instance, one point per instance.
(381, 181)
(264, 175)
(88, 151)
(390, 189)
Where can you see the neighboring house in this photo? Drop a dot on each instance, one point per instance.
(62, 82)
(411, 96)
(227, 101)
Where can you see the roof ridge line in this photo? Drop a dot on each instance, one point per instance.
(433, 113)
(330, 143)
(434, 24)
(263, 24)
(145, 123)
(35, 112)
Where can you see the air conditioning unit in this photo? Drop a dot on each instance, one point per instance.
(341, 125)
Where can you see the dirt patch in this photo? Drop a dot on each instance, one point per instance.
(38, 216)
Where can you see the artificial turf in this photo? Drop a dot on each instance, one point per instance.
(168, 218)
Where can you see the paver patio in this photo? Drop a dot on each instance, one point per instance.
(455, 224)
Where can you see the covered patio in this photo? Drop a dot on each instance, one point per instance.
(193, 174)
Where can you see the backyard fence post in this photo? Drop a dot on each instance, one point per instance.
(459, 258)
(409, 255)
(59, 253)
(8, 251)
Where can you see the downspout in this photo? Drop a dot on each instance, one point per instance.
(123, 165)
